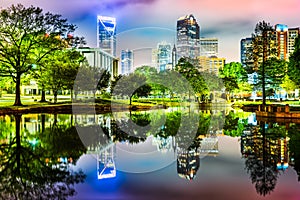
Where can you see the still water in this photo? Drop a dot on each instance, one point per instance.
(158, 154)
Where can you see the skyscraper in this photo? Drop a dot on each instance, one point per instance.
(281, 39)
(246, 48)
(106, 34)
(126, 61)
(188, 34)
(164, 55)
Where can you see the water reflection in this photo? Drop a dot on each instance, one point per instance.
(265, 150)
(37, 164)
(104, 134)
(38, 152)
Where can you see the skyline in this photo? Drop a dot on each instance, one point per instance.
(142, 24)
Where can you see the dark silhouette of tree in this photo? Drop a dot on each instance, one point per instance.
(261, 152)
(263, 48)
(294, 147)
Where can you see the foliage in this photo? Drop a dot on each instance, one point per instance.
(233, 75)
(288, 84)
(27, 36)
(60, 71)
(193, 76)
(132, 84)
(294, 63)
(263, 49)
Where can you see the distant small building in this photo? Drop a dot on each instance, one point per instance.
(211, 64)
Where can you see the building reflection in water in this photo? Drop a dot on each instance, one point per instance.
(188, 147)
(188, 163)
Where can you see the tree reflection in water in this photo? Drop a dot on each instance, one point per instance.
(294, 147)
(33, 170)
(264, 149)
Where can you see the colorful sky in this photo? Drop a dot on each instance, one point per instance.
(141, 24)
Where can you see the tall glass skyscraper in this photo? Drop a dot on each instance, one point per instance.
(106, 34)
(164, 56)
(126, 61)
(188, 34)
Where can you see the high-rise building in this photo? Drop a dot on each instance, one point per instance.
(246, 48)
(126, 61)
(188, 34)
(209, 47)
(106, 34)
(162, 56)
(281, 39)
(293, 33)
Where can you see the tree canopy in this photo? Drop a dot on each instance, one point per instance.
(27, 36)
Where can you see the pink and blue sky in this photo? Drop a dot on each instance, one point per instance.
(141, 24)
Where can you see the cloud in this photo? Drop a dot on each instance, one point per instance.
(111, 5)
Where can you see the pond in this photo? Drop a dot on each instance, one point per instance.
(170, 153)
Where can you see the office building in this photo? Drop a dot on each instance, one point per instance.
(106, 34)
(97, 57)
(162, 56)
(211, 64)
(188, 34)
(293, 33)
(246, 48)
(209, 47)
(281, 39)
(126, 61)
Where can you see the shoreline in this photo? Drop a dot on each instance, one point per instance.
(70, 108)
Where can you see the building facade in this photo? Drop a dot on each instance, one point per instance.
(126, 61)
(97, 57)
(282, 40)
(162, 57)
(246, 47)
(211, 64)
(106, 34)
(188, 34)
(293, 33)
(209, 47)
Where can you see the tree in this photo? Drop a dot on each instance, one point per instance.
(272, 75)
(61, 70)
(288, 85)
(91, 79)
(233, 75)
(194, 77)
(27, 36)
(263, 45)
(130, 85)
(294, 63)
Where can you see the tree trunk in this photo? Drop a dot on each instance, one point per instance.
(130, 100)
(43, 97)
(71, 94)
(18, 92)
(55, 96)
(18, 142)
